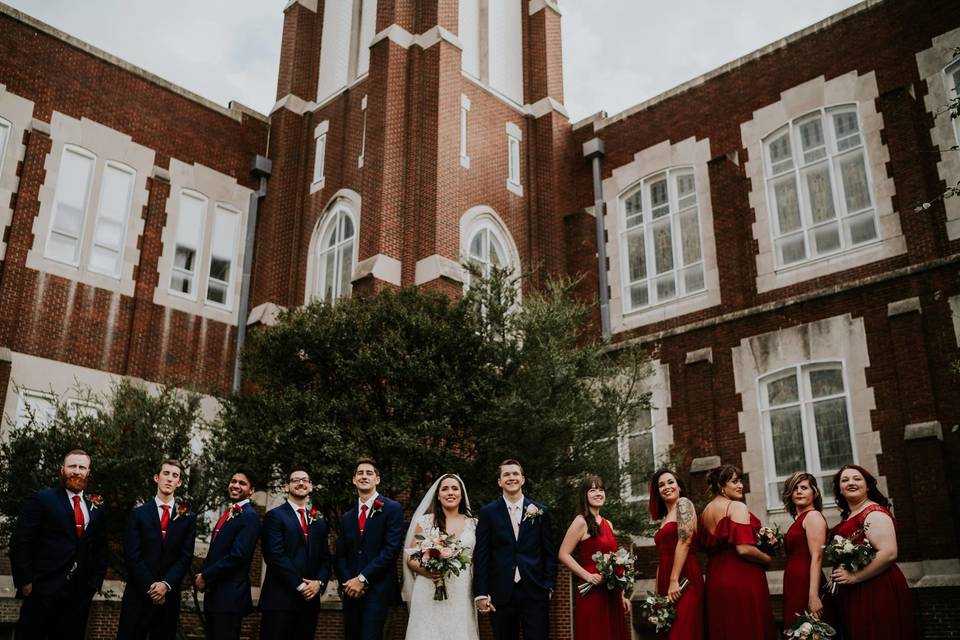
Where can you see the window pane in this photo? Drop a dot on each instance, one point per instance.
(498, 255)
(476, 245)
(116, 191)
(4, 136)
(820, 193)
(786, 429)
(220, 269)
(346, 268)
(633, 206)
(855, 189)
(779, 150)
(791, 249)
(826, 238)
(659, 200)
(639, 295)
(73, 185)
(811, 139)
(328, 274)
(318, 158)
(662, 247)
(833, 433)
(640, 448)
(686, 191)
(190, 225)
(104, 260)
(666, 287)
(845, 123)
(826, 382)
(693, 278)
(217, 292)
(782, 391)
(787, 203)
(636, 255)
(862, 228)
(223, 248)
(690, 237)
(347, 227)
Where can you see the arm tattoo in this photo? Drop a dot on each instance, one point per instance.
(686, 519)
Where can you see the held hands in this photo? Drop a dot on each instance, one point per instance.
(674, 591)
(485, 605)
(842, 576)
(158, 592)
(312, 589)
(354, 587)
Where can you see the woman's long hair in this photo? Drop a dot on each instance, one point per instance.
(591, 481)
(791, 484)
(656, 505)
(873, 493)
(436, 509)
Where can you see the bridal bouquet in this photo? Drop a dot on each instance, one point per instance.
(616, 567)
(660, 610)
(442, 554)
(770, 540)
(807, 627)
(852, 556)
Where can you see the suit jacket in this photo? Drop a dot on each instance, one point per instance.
(374, 554)
(45, 550)
(290, 558)
(226, 569)
(499, 553)
(149, 558)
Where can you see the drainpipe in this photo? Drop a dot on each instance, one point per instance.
(593, 150)
(261, 168)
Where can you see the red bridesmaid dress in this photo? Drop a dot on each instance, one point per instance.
(688, 624)
(737, 596)
(796, 575)
(880, 608)
(599, 614)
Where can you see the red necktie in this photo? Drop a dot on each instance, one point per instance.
(303, 522)
(223, 518)
(78, 515)
(164, 521)
(363, 518)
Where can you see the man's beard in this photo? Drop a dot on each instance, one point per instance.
(73, 482)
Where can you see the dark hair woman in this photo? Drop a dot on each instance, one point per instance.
(875, 600)
(675, 546)
(600, 613)
(737, 596)
(804, 542)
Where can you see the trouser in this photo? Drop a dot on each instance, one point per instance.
(59, 616)
(223, 626)
(528, 608)
(288, 625)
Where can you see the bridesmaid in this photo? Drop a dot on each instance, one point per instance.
(737, 596)
(804, 545)
(875, 601)
(600, 615)
(674, 542)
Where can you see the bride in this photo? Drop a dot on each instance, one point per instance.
(445, 506)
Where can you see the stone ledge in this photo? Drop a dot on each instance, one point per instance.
(920, 430)
(700, 355)
(266, 314)
(706, 463)
(5, 355)
(435, 267)
(309, 5)
(900, 307)
(381, 267)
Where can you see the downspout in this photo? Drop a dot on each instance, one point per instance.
(261, 169)
(593, 150)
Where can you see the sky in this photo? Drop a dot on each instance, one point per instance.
(616, 53)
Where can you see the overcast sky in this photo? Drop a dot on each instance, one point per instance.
(617, 53)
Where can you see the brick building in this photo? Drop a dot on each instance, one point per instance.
(761, 226)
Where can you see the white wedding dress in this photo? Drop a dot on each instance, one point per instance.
(454, 618)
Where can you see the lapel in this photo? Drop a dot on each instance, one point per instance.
(153, 521)
(524, 523)
(352, 525)
(505, 515)
(293, 519)
(64, 499)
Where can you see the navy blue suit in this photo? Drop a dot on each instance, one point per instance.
(374, 554)
(226, 572)
(64, 569)
(290, 558)
(150, 558)
(497, 557)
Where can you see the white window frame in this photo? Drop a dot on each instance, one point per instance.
(6, 130)
(333, 218)
(952, 91)
(229, 283)
(80, 151)
(319, 156)
(808, 428)
(363, 135)
(483, 261)
(130, 171)
(831, 160)
(23, 400)
(201, 242)
(475, 220)
(623, 450)
(676, 238)
(514, 138)
(464, 117)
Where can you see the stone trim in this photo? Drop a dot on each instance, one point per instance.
(266, 313)
(920, 430)
(404, 39)
(18, 112)
(539, 5)
(931, 64)
(382, 267)
(292, 103)
(309, 5)
(901, 307)
(543, 106)
(700, 355)
(706, 463)
(435, 267)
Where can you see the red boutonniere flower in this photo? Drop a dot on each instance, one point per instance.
(313, 515)
(96, 501)
(377, 507)
(183, 510)
(235, 510)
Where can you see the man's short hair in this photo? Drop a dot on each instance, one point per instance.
(251, 477)
(76, 452)
(366, 460)
(506, 462)
(173, 462)
(295, 468)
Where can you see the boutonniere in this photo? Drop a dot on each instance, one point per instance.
(377, 507)
(313, 515)
(183, 510)
(235, 510)
(532, 512)
(96, 501)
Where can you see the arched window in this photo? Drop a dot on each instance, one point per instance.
(486, 243)
(806, 425)
(335, 252)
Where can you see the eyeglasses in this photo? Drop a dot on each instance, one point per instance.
(300, 480)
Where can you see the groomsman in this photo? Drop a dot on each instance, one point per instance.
(371, 536)
(294, 544)
(515, 561)
(58, 552)
(225, 577)
(157, 550)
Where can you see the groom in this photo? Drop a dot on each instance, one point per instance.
(515, 562)
(371, 536)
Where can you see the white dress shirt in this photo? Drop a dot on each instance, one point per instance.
(160, 503)
(83, 506)
(369, 504)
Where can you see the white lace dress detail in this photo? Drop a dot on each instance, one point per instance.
(454, 618)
